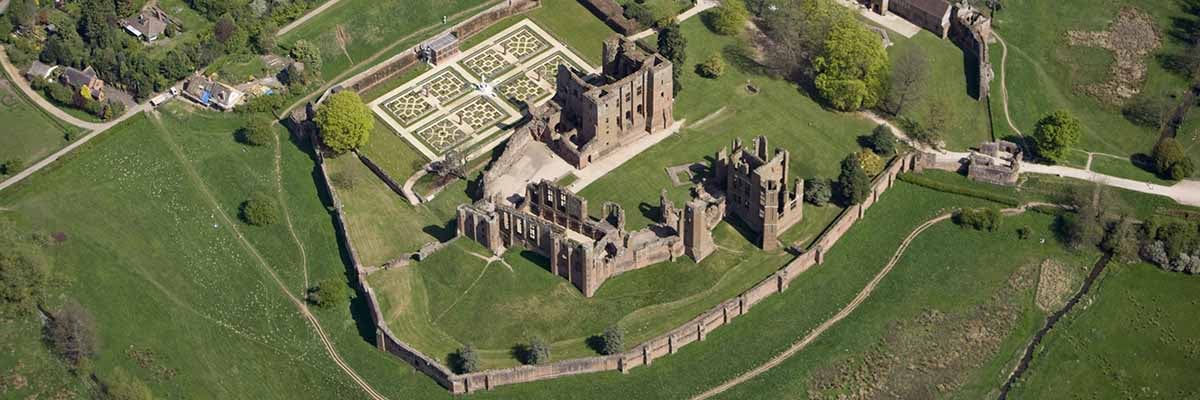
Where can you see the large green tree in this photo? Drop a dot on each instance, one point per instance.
(853, 183)
(345, 122)
(852, 69)
(1055, 134)
(1171, 161)
(729, 18)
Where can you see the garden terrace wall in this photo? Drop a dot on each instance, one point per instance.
(405, 60)
(613, 15)
(694, 330)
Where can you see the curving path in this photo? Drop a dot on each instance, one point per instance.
(820, 329)
(1003, 84)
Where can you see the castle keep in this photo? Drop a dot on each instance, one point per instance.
(756, 190)
(553, 221)
(592, 115)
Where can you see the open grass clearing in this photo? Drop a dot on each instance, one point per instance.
(28, 134)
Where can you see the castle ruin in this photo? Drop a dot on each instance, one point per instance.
(755, 186)
(590, 116)
(965, 26)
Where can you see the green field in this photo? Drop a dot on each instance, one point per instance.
(1045, 73)
(1132, 337)
(437, 304)
(29, 133)
(1125, 168)
(967, 122)
(151, 254)
(371, 25)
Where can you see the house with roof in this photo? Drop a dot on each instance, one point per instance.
(210, 93)
(933, 15)
(77, 79)
(148, 25)
(40, 70)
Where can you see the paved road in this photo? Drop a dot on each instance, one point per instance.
(96, 128)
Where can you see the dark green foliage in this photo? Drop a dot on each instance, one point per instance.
(113, 109)
(259, 210)
(1024, 232)
(712, 67)
(641, 13)
(71, 333)
(466, 360)
(1148, 110)
(328, 293)
(965, 191)
(258, 131)
(672, 44)
(980, 219)
(24, 272)
(1177, 236)
(12, 166)
(853, 183)
(727, 19)
(20, 13)
(882, 141)
(1122, 241)
(537, 351)
(613, 340)
(1055, 134)
(1171, 161)
(263, 104)
(121, 385)
(818, 190)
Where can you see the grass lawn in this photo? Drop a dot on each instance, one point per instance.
(967, 122)
(176, 284)
(371, 25)
(567, 20)
(238, 68)
(29, 133)
(817, 139)
(1133, 337)
(437, 304)
(1045, 73)
(1125, 168)
(193, 24)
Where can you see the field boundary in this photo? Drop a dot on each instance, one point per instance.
(643, 354)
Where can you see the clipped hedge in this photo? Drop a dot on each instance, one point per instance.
(960, 190)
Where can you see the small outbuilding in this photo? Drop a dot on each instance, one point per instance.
(148, 25)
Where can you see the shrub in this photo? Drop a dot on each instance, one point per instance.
(72, 334)
(121, 385)
(871, 163)
(259, 210)
(328, 293)
(727, 19)
(641, 13)
(466, 359)
(257, 132)
(882, 141)
(537, 352)
(980, 219)
(1024, 232)
(1122, 241)
(818, 191)
(853, 183)
(712, 67)
(12, 166)
(1170, 160)
(613, 340)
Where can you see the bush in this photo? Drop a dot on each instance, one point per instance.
(1170, 161)
(818, 191)
(641, 13)
(882, 141)
(12, 166)
(537, 351)
(1122, 241)
(1024, 232)
(466, 359)
(259, 210)
(328, 293)
(871, 163)
(257, 132)
(727, 19)
(121, 385)
(712, 67)
(262, 104)
(980, 219)
(613, 340)
(853, 183)
(24, 272)
(72, 334)
(113, 109)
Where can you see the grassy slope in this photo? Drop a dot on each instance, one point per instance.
(144, 254)
(1132, 337)
(449, 303)
(1044, 72)
(28, 133)
(967, 118)
(372, 25)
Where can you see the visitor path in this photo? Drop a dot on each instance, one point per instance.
(96, 127)
(287, 28)
(700, 6)
(820, 329)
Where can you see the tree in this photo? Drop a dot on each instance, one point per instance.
(639, 12)
(1149, 110)
(12, 166)
(712, 67)
(466, 359)
(121, 385)
(1055, 134)
(798, 31)
(980, 219)
(24, 271)
(729, 18)
(258, 131)
(850, 72)
(259, 210)
(1122, 241)
(21, 13)
(328, 293)
(882, 141)
(871, 163)
(1170, 160)
(72, 334)
(1086, 227)
(537, 352)
(307, 53)
(345, 122)
(853, 183)
(907, 81)
(613, 340)
(673, 46)
(818, 191)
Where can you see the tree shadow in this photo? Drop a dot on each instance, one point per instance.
(455, 361)
(1144, 162)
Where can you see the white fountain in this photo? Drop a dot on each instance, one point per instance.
(485, 89)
